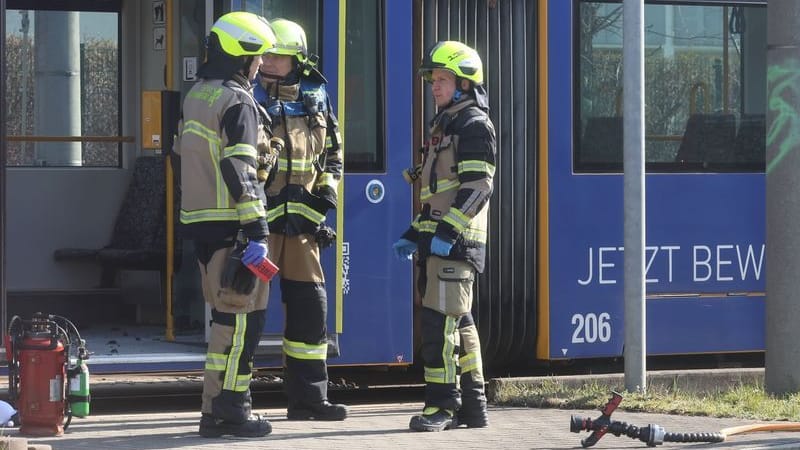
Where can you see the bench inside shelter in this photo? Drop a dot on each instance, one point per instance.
(138, 240)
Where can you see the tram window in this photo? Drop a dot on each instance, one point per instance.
(63, 102)
(363, 127)
(305, 12)
(704, 87)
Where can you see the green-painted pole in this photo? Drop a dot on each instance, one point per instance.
(782, 327)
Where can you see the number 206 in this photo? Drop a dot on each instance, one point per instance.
(591, 327)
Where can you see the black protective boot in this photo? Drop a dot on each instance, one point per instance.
(433, 419)
(473, 412)
(473, 415)
(324, 410)
(232, 407)
(255, 426)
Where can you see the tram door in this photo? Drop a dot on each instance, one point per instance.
(369, 292)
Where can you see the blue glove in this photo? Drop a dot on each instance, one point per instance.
(404, 249)
(440, 246)
(255, 252)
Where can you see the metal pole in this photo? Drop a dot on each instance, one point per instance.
(169, 332)
(782, 361)
(634, 193)
(57, 69)
(4, 150)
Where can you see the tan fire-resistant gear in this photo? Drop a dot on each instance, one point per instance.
(455, 184)
(306, 144)
(202, 145)
(221, 200)
(297, 256)
(449, 287)
(304, 187)
(226, 299)
(310, 159)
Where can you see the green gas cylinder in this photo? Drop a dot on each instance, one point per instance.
(79, 390)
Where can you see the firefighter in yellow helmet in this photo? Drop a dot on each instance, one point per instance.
(449, 236)
(300, 191)
(222, 210)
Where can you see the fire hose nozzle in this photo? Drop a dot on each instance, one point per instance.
(600, 426)
(577, 424)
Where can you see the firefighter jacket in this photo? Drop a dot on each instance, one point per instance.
(458, 165)
(304, 184)
(217, 139)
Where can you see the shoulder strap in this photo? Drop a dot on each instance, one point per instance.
(259, 93)
(250, 99)
(312, 97)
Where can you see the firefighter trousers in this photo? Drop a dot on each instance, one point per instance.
(305, 302)
(450, 343)
(237, 323)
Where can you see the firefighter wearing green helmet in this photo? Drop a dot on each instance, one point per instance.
(300, 190)
(449, 237)
(222, 211)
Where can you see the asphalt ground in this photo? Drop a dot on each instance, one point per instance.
(384, 425)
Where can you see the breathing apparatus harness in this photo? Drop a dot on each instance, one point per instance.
(312, 99)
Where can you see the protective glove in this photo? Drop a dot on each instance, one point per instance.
(255, 252)
(404, 249)
(325, 236)
(440, 246)
(236, 275)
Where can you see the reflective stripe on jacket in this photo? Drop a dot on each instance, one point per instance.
(458, 166)
(309, 166)
(217, 140)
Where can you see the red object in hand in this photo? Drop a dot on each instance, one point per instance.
(264, 269)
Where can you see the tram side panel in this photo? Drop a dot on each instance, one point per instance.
(705, 257)
(705, 238)
(377, 290)
(373, 315)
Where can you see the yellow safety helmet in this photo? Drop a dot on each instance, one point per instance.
(456, 57)
(291, 39)
(242, 33)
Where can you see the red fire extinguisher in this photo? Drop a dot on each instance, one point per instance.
(41, 353)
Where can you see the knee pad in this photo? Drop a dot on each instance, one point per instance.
(306, 311)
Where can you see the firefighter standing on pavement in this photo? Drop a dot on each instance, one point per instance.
(300, 191)
(219, 134)
(449, 236)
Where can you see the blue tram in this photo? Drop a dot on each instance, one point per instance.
(89, 196)
(704, 154)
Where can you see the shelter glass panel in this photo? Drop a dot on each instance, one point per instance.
(63, 98)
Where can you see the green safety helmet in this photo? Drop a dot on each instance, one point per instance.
(291, 40)
(242, 33)
(456, 57)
